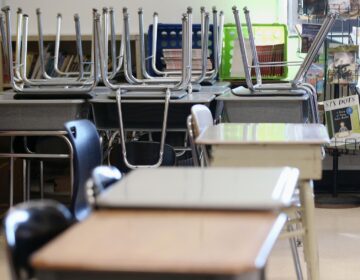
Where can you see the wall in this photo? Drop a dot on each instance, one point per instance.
(263, 11)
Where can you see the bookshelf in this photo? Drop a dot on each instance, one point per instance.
(67, 48)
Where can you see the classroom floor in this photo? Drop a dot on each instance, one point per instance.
(339, 248)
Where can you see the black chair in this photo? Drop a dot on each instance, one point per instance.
(141, 153)
(27, 227)
(87, 155)
(101, 177)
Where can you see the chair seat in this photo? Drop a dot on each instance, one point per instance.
(141, 153)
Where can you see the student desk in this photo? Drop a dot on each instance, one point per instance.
(296, 145)
(145, 114)
(143, 244)
(203, 238)
(36, 118)
(265, 189)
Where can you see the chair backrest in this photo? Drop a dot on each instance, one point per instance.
(194, 150)
(142, 153)
(101, 177)
(201, 117)
(27, 227)
(87, 155)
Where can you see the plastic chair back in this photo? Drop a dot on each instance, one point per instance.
(87, 155)
(28, 226)
(201, 117)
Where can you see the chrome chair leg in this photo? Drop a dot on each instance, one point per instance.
(28, 178)
(24, 179)
(295, 255)
(41, 179)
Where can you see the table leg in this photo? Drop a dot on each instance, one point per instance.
(310, 241)
(11, 182)
(11, 202)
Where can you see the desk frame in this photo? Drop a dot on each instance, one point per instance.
(31, 155)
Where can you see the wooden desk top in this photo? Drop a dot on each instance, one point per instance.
(165, 242)
(203, 188)
(264, 133)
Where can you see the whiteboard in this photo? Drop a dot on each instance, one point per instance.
(169, 11)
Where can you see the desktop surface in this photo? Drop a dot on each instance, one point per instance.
(264, 133)
(203, 188)
(166, 242)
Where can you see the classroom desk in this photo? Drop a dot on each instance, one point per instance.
(203, 188)
(271, 109)
(194, 227)
(146, 114)
(296, 145)
(143, 244)
(36, 118)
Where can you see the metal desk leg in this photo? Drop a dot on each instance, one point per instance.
(24, 179)
(41, 179)
(11, 182)
(335, 172)
(310, 242)
(28, 179)
(11, 202)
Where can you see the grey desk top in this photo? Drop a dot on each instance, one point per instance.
(7, 97)
(271, 95)
(199, 188)
(195, 97)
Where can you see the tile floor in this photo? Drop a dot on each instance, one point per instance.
(339, 248)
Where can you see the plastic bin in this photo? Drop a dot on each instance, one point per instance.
(273, 40)
(170, 37)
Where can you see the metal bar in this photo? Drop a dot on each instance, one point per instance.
(252, 46)
(113, 42)
(41, 179)
(142, 44)
(4, 41)
(41, 45)
(79, 46)
(243, 49)
(18, 44)
(23, 155)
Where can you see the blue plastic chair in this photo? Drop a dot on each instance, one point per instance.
(27, 227)
(87, 155)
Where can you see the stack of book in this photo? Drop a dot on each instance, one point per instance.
(172, 59)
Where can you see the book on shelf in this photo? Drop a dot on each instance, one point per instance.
(172, 59)
(345, 8)
(314, 7)
(315, 77)
(308, 34)
(342, 64)
(342, 118)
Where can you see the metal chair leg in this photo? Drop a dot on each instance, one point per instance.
(41, 179)
(28, 178)
(24, 179)
(295, 255)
